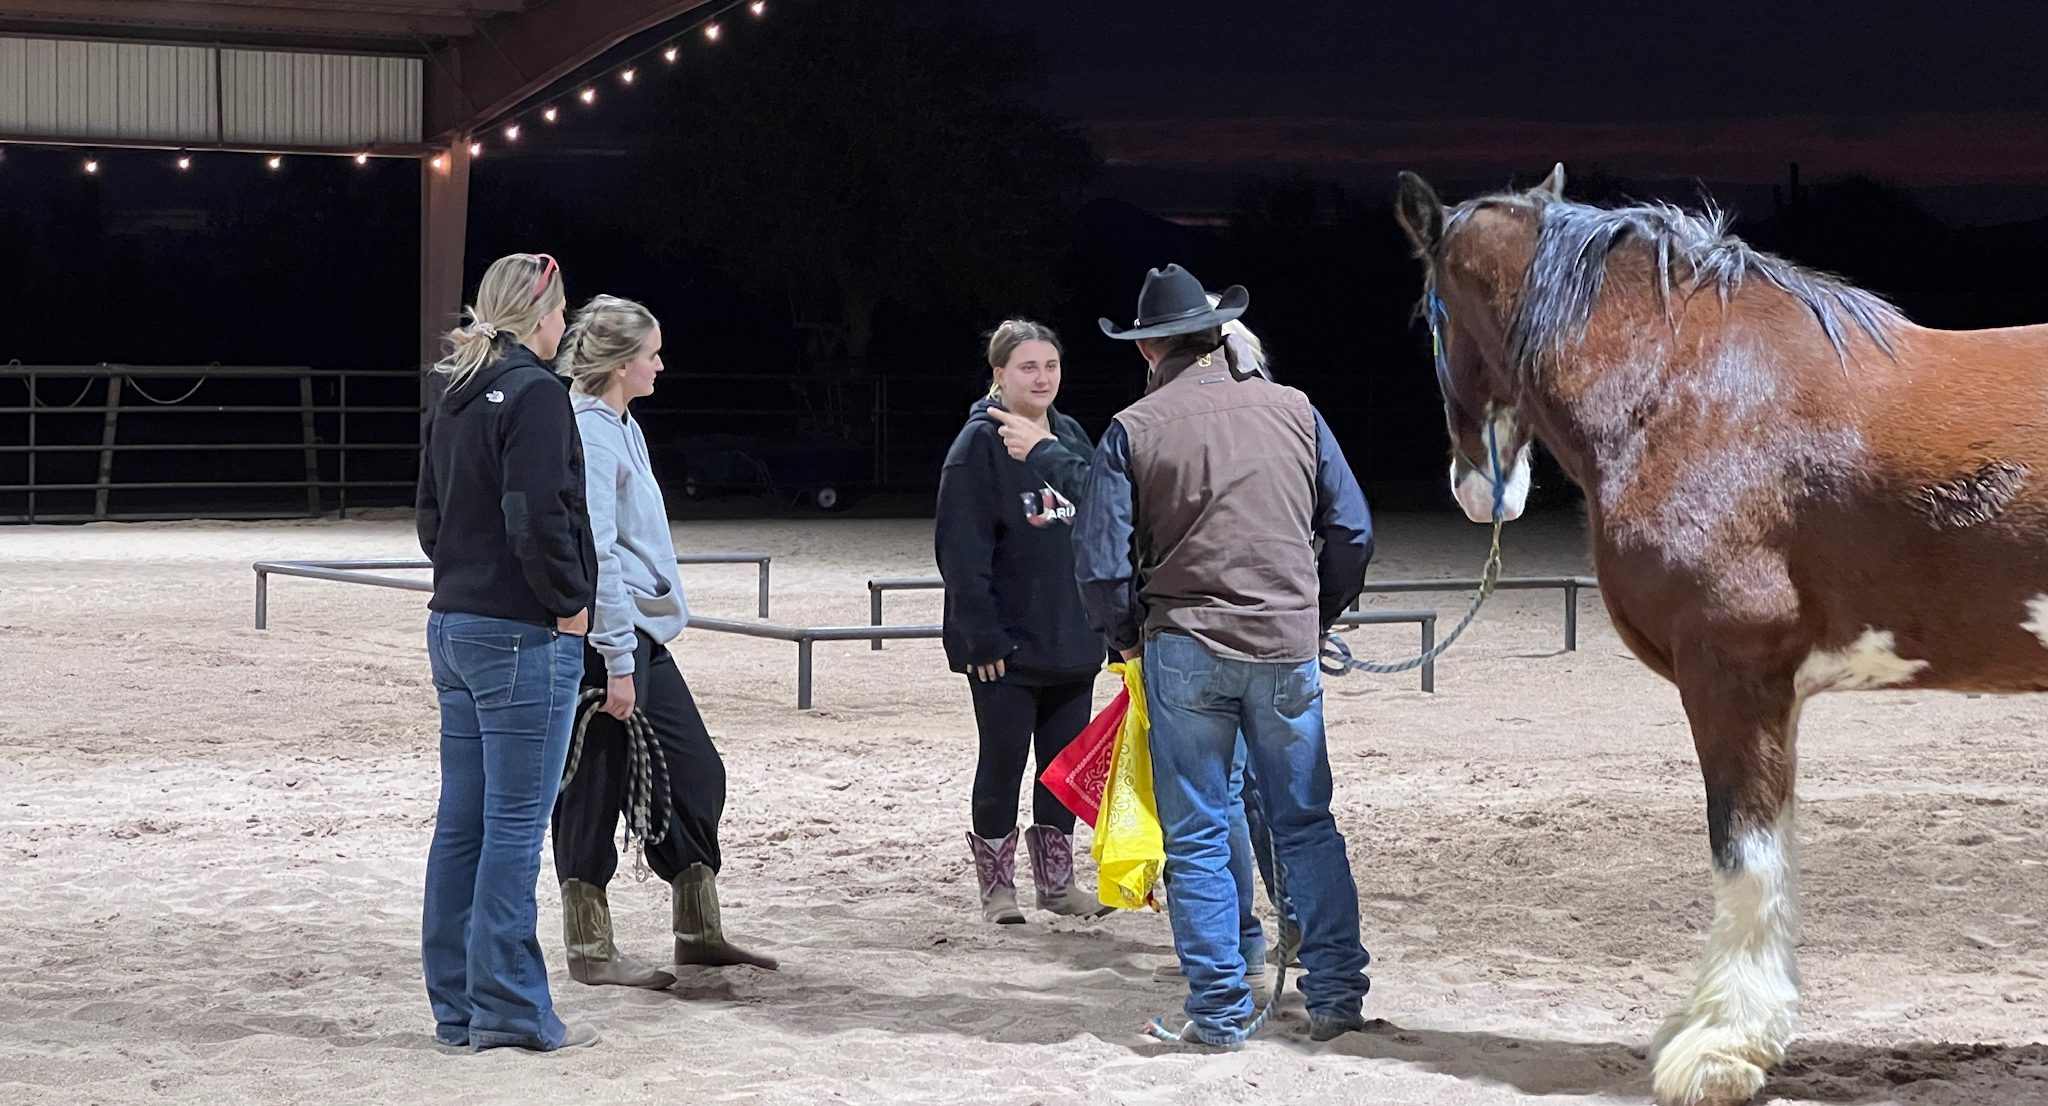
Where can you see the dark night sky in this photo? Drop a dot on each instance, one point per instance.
(1184, 100)
(1184, 96)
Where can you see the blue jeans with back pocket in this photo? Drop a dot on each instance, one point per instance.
(508, 698)
(1198, 704)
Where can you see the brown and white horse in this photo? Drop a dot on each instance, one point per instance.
(1791, 489)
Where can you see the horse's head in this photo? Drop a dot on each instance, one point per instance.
(1474, 257)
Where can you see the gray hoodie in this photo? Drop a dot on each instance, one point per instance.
(637, 585)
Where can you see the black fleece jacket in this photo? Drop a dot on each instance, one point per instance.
(1004, 541)
(501, 511)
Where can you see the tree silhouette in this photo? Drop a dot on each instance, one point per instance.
(861, 156)
(1872, 232)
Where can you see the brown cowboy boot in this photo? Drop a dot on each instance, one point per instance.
(1052, 869)
(587, 931)
(995, 870)
(699, 937)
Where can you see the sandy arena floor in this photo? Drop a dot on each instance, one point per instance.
(212, 843)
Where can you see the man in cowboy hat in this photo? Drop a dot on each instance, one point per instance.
(1196, 544)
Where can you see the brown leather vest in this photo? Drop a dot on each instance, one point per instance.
(1223, 478)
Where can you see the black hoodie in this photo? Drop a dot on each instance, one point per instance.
(1010, 591)
(501, 508)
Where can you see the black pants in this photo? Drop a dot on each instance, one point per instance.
(1012, 718)
(587, 811)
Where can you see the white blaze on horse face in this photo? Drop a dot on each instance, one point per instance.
(1871, 661)
(2037, 618)
(1741, 1013)
(1473, 488)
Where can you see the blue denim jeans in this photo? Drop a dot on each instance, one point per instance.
(1198, 704)
(1251, 935)
(1251, 849)
(508, 698)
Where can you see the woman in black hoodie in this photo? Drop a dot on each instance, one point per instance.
(1013, 622)
(501, 514)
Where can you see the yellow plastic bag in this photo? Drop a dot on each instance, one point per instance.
(1129, 847)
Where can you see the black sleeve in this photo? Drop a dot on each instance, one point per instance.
(1056, 462)
(965, 542)
(426, 515)
(542, 487)
(1344, 523)
(1105, 558)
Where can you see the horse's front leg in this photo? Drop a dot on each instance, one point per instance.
(1716, 1051)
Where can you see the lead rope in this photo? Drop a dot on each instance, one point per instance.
(1337, 660)
(647, 778)
(1157, 1028)
(1336, 657)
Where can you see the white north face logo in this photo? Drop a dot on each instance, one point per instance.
(495, 397)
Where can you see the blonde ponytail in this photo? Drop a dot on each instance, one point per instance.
(606, 334)
(1235, 329)
(517, 292)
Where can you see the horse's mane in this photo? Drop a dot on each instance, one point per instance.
(1693, 252)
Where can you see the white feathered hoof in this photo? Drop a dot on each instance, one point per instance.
(1709, 1063)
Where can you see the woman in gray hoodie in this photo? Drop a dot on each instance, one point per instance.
(611, 355)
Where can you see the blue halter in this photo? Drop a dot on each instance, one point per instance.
(1439, 315)
(1336, 656)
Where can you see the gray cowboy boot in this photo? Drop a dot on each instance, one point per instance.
(700, 938)
(1052, 869)
(587, 931)
(995, 870)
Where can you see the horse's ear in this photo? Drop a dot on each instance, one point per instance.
(1419, 212)
(1553, 185)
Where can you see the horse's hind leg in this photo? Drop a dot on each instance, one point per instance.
(1716, 1051)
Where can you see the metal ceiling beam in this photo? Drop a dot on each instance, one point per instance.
(474, 81)
(102, 16)
(409, 150)
(392, 7)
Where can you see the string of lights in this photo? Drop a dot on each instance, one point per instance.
(625, 71)
(511, 125)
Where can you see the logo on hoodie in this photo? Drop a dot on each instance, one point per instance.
(1044, 507)
(495, 396)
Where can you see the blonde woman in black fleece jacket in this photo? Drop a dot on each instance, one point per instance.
(501, 514)
(1014, 624)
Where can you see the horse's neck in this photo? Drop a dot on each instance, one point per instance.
(1589, 416)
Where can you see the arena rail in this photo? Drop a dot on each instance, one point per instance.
(1426, 620)
(1570, 585)
(365, 572)
(804, 637)
(203, 451)
(807, 636)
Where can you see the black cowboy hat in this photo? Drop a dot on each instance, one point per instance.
(1174, 302)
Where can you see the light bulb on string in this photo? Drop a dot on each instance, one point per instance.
(711, 31)
(626, 77)
(551, 113)
(476, 149)
(669, 55)
(184, 162)
(759, 8)
(362, 159)
(92, 166)
(588, 96)
(512, 133)
(440, 161)
(275, 162)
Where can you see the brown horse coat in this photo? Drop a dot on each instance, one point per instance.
(1790, 489)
